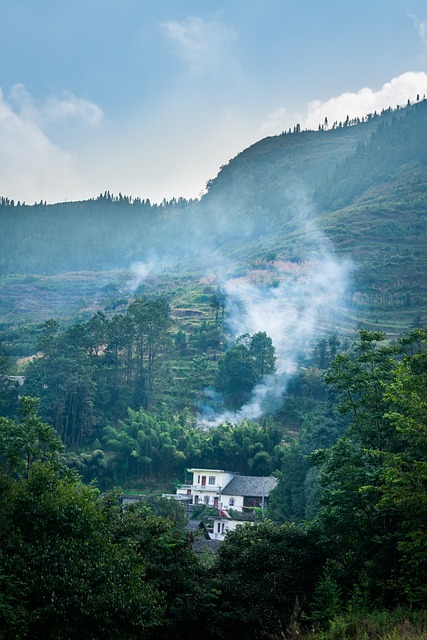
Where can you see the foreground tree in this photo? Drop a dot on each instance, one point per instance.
(374, 478)
(27, 439)
(267, 576)
(74, 564)
(405, 475)
(69, 575)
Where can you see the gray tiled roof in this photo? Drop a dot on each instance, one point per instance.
(197, 526)
(250, 486)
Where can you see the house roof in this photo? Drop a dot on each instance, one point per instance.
(194, 526)
(207, 470)
(250, 486)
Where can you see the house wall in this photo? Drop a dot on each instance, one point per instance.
(205, 479)
(221, 527)
(232, 502)
(206, 486)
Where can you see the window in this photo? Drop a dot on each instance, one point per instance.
(206, 499)
(211, 479)
(231, 502)
(219, 527)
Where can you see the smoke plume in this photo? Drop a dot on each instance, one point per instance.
(291, 302)
(292, 299)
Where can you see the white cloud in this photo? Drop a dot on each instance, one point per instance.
(354, 104)
(398, 91)
(275, 122)
(69, 106)
(32, 166)
(54, 109)
(421, 27)
(200, 43)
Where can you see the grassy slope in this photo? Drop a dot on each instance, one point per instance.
(383, 232)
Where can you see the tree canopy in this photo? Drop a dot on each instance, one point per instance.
(243, 366)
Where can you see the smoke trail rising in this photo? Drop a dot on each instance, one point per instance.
(289, 299)
(290, 313)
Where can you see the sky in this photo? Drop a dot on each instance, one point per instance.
(149, 98)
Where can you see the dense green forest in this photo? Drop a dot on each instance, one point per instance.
(354, 567)
(123, 393)
(135, 342)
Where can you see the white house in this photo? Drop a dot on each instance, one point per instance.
(224, 523)
(206, 488)
(226, 491)
(243, 493)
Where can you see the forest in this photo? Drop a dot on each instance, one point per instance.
(341, 552)
(276, 327)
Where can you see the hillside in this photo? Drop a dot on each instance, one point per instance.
(358, 191)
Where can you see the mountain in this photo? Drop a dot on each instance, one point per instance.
(358, 188)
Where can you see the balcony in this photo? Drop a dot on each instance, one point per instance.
(177, 496)
(213, 488)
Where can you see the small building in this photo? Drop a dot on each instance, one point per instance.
(206, 488)
(224, 522)
(131, 498)
(246, 492)
(234, 496)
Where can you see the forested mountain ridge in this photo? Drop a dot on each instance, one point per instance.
(362, 184)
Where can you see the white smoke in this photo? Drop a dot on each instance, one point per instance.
(299, 304)
(292, 301)
(140, 271)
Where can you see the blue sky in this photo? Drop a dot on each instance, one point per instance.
(150, 97)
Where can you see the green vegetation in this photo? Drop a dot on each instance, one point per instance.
(104, 371)
(373, 479)
(122, 393)
(74, 564)
(243, 366)
(73, 559)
